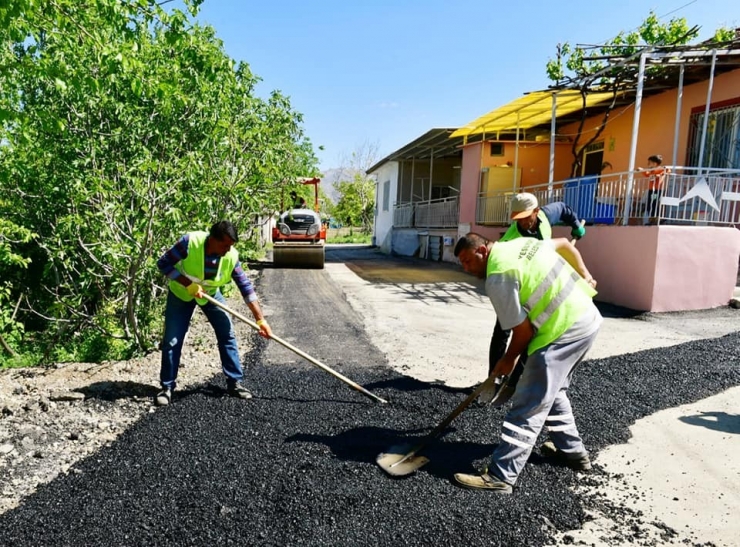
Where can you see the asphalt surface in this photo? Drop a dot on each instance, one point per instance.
(296, 464)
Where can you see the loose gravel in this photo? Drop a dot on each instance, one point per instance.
(296, 464)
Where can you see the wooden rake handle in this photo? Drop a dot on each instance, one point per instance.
(295, 350)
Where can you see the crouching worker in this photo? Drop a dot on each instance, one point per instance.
(542, 291)
(200, 263)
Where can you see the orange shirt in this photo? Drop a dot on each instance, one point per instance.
(655, 177)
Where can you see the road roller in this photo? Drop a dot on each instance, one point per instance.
(299, 235)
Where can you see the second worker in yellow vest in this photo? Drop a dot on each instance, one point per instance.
(541, 291)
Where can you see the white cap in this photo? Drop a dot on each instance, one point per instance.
(523, 205)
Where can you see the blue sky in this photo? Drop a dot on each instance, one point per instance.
(384, 72)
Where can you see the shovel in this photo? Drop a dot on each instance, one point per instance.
(401, 460)
(294, 349)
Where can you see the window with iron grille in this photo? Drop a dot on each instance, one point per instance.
(722, 144)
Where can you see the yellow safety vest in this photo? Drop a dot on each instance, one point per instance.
(545, 229)
(550, 290)
(193, 266)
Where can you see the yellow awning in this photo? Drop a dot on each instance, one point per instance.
(530, 111)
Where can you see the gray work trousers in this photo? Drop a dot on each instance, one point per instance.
(540, 399)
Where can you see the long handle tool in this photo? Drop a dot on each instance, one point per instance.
(401, 460)
(295, 350)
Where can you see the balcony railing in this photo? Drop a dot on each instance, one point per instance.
(689, 196)
(437, 213)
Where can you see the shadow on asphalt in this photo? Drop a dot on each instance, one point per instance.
(407, 384)
(445, 457)
(617, 312)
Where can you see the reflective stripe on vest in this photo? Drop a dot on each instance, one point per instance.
(559, 299)
(551, 293)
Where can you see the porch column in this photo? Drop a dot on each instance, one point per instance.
(633, 143)
(516, 155)
(705, 122)
(551, 175)
(677, 128)
(399, 186)
(413, 164)
(431, 173)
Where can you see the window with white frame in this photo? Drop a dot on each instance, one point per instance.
(386, 195)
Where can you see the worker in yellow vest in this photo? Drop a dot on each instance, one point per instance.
(541, 291)
(530, 220)
(201, 263)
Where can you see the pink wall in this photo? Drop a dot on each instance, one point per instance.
(696, 267)
(622, 260)
(656, 268)
(469, 182)
(662, 268)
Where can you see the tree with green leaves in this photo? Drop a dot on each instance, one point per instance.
(122, 126)
(13, 265)
(356, 203)
(597, 68)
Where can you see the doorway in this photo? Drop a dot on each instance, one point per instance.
(593, 158)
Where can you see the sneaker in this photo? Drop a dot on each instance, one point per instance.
(239, 391)
(163, 398)
(576, 462)
(485, 481)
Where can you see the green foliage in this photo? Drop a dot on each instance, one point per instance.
(356, 203)
(585, 67)
(123, 126)
(351, 237)
(723, 35)
(11, 266)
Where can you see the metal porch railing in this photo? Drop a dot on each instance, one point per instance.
(689, 196)
(437, 213)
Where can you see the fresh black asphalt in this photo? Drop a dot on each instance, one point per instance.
(296, 464)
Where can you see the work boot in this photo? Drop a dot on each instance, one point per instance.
(485, 481)
(238, 391)
(163, 398)
(577, 462)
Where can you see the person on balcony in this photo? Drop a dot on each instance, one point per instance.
(655, 174)
(535, 222)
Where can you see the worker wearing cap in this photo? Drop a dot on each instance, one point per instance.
(543, 292)
(536, 222)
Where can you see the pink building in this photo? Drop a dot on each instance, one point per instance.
(687, 260)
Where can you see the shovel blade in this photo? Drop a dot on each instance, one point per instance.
(396, 461)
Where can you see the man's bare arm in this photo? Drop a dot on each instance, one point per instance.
(573, 257)
(521, 336)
